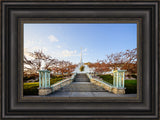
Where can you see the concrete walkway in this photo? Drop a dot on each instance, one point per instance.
(88, 94)
(81, 87)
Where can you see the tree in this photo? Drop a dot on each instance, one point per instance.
(99, 67)
(130, 63)
(71, 68)
(63, 67)
(124, 60)
(37, 59)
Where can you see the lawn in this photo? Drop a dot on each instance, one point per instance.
(31, 88)
(107, 78)
(130, 85)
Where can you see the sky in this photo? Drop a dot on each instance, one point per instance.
(64, 41)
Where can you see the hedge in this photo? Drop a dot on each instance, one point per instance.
(107, 78)
(81, 68)
(32, 88)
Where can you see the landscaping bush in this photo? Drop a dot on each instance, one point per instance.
(29, 76)
(134, 76)
(55, 80)
(31, 88)
(131, 86)
(107, 78)
(129, 76)
(82, 68)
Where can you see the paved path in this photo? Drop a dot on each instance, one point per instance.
(81, 78)
(82, 87)
(88, 94)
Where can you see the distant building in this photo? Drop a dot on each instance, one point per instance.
(86, 68)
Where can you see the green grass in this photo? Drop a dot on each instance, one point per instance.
(107, 78)
(55, 80)
(31, 88)
(130, 85)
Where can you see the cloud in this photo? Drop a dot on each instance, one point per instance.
(85, 50)
(52, 38)
(32, 49)
(85, 54)
(58, 46)
(26, 53)
(44, 49)
(67, 53)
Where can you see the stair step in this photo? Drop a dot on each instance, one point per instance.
(81, 78)
(82, 87)
(82, 83)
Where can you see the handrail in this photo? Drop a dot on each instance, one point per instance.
(104, 82)
(89, 76)
(62, 81)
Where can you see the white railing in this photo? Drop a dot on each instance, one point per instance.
(102, 82)
(73, 76)
(62, 83)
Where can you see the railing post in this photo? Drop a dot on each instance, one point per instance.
(45, 79)
(44, 82)
(49, 78)
(114, 79)
(123, 78)
(39, 79)
(118, 80)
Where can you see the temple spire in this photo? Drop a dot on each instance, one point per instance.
(81, 57)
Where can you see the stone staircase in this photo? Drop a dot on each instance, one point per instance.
(81, 83)
(82, 87)
(81, 78)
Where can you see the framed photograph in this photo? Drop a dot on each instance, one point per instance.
(80, 60)
(53, 67)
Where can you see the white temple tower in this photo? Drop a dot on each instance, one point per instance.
(86, 68)
(81, 62)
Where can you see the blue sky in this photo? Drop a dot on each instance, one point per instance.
(63, 41)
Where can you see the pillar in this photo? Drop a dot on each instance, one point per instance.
(123, 78)
(118, 81)
(114, 84)
(44, 82)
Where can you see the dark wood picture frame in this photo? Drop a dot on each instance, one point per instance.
(15, 13)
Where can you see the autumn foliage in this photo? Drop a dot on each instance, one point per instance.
(39, 59)
(126, 60)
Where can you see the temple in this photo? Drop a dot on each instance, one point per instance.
(86, 69)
